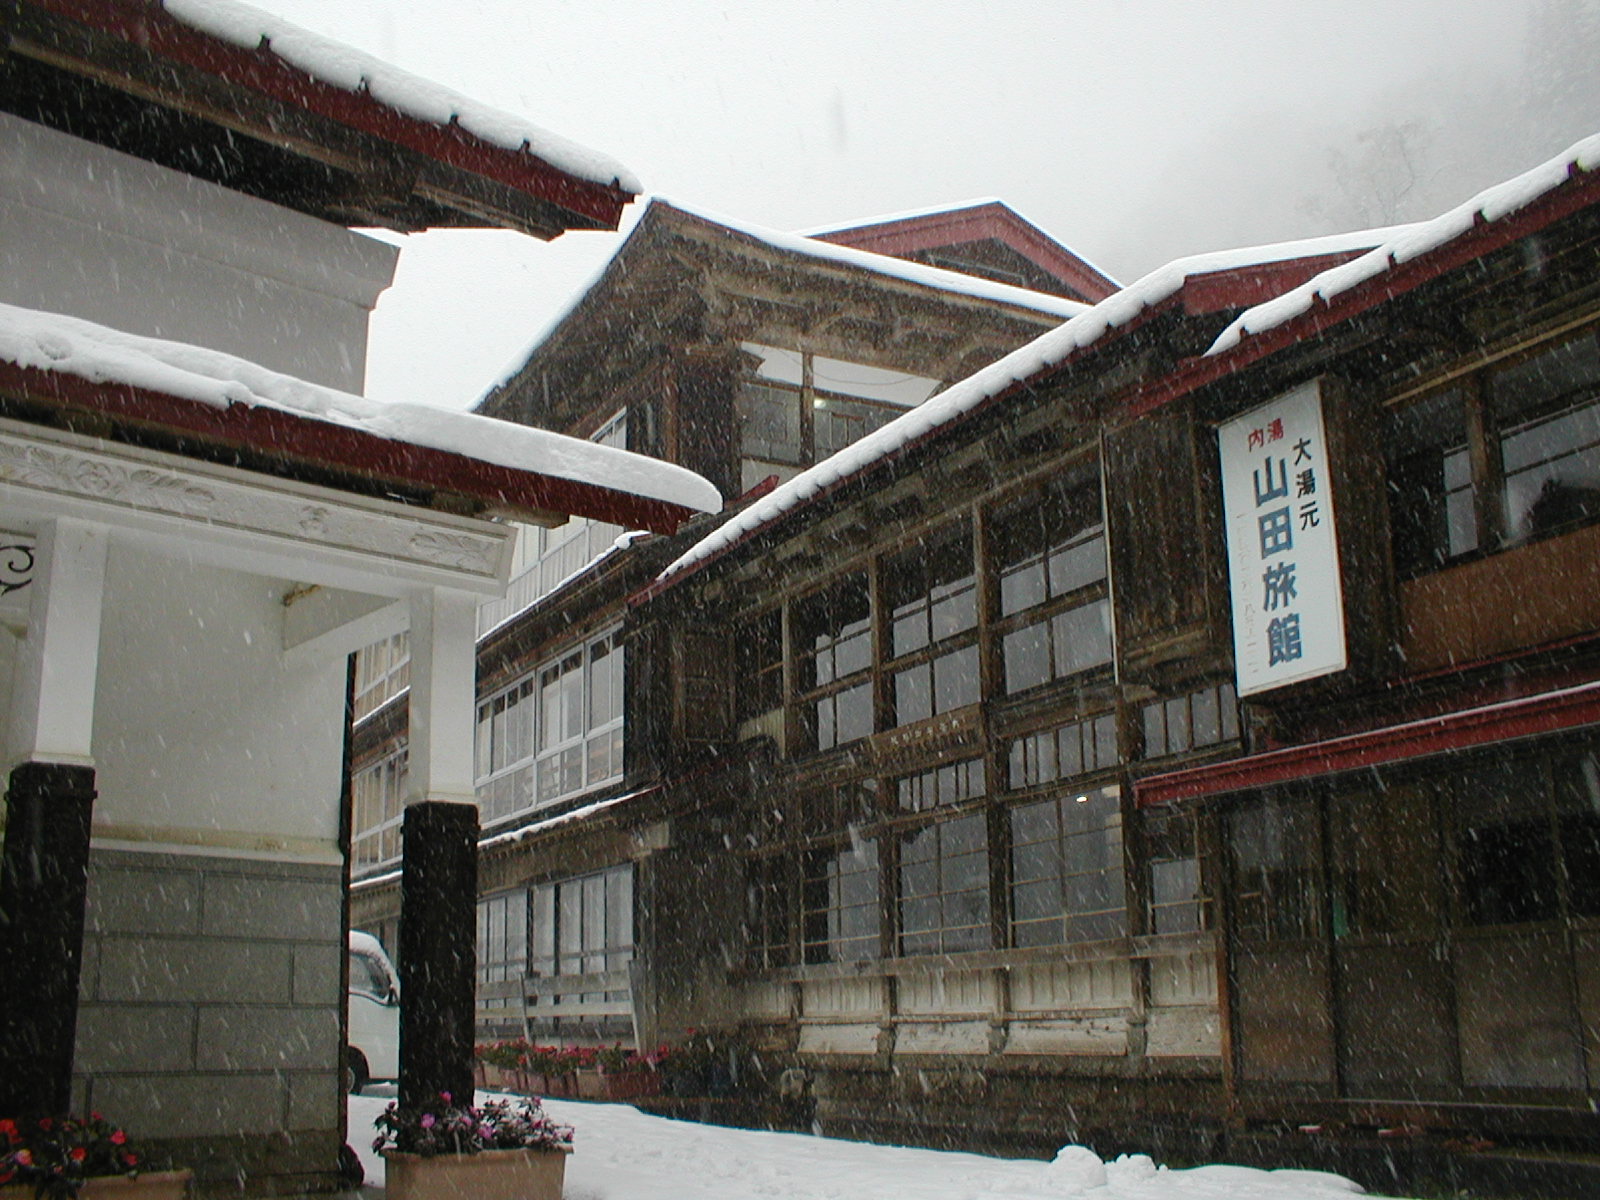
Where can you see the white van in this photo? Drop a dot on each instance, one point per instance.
(372, 1014)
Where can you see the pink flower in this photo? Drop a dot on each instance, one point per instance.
(427, 1120)
(118, 1137)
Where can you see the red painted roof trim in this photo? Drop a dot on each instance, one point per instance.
(1256, 283)
(1551, 712)
(295, 438)
(902, 237)
(147, 26)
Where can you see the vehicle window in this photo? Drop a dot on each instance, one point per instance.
(368, 978)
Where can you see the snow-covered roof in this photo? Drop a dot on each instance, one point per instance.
(1411, 241)
(340, 66)
(898, 268)
(70, 346)
(1044, 352)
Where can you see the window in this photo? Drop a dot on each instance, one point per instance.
(834, 660)
(932, 596)
(502, 938)
(840, 903)
(1533, 428)
(383, 671)
(1547, 412)
(1179, 901)
(769, 423)
(1184, 723)
(583, 926)
(1067, 870)
(758, 665)
(1061, 753)
(553, 733)
(1050, 558)
(1276, 887)
(944, 887)
(377, 795)
(767, 908)
(941, 786)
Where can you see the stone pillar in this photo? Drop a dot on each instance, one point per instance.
(44, 865)
(44, 876)
(439, 872)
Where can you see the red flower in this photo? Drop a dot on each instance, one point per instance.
(118, 1137)
(129, 1160)
(79, 1154)
(45, 1123)
(7, 1125)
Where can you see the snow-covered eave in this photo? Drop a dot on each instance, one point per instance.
(218, 398)
(1026, 367)
(937, 278)
(1508, 210)
(512, 837)
(274, 58)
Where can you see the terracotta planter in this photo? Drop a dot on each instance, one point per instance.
(618, 1085)
(490, 1175)
(147, 1185)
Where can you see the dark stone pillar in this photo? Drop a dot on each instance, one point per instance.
(438, 951)
(44, 880)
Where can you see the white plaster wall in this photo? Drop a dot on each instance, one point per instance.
(203, 735)
(116, 240)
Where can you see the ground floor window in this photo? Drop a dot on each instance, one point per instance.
(502, 938)
(944, 887)
(583, 926)
(840, 902)
(1066, 869)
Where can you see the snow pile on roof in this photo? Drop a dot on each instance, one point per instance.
(340, 66)
(622, 1152)
(1413, 241)
(1045, 351)
(52, 342)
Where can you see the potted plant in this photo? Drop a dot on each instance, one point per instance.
(60, 1158)
(446, 1151)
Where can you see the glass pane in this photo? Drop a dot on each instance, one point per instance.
(1082, 638)
(913, 694)
(1027, 657)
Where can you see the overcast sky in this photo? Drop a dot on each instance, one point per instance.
(1133, 132)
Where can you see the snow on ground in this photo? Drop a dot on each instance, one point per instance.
(623, 1154)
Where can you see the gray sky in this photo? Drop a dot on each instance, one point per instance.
(1133, 132)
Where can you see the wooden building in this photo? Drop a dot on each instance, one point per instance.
(1177, 735)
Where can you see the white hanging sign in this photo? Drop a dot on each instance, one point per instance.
(1283, 553)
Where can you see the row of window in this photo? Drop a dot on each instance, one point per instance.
(579, 926)
(921, 878)
(555, 732)
(920, 651)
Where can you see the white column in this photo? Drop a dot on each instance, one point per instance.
(58, 658)
(444, 633)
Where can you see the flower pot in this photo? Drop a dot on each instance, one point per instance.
(489, 1175)
(147, 1185)
(618, 1085)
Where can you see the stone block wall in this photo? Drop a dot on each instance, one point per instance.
(210, 1007)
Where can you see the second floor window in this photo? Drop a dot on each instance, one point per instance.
(553, 733)
(931, 593)
(834, 661)
(1050, 558)
(1505, 455)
